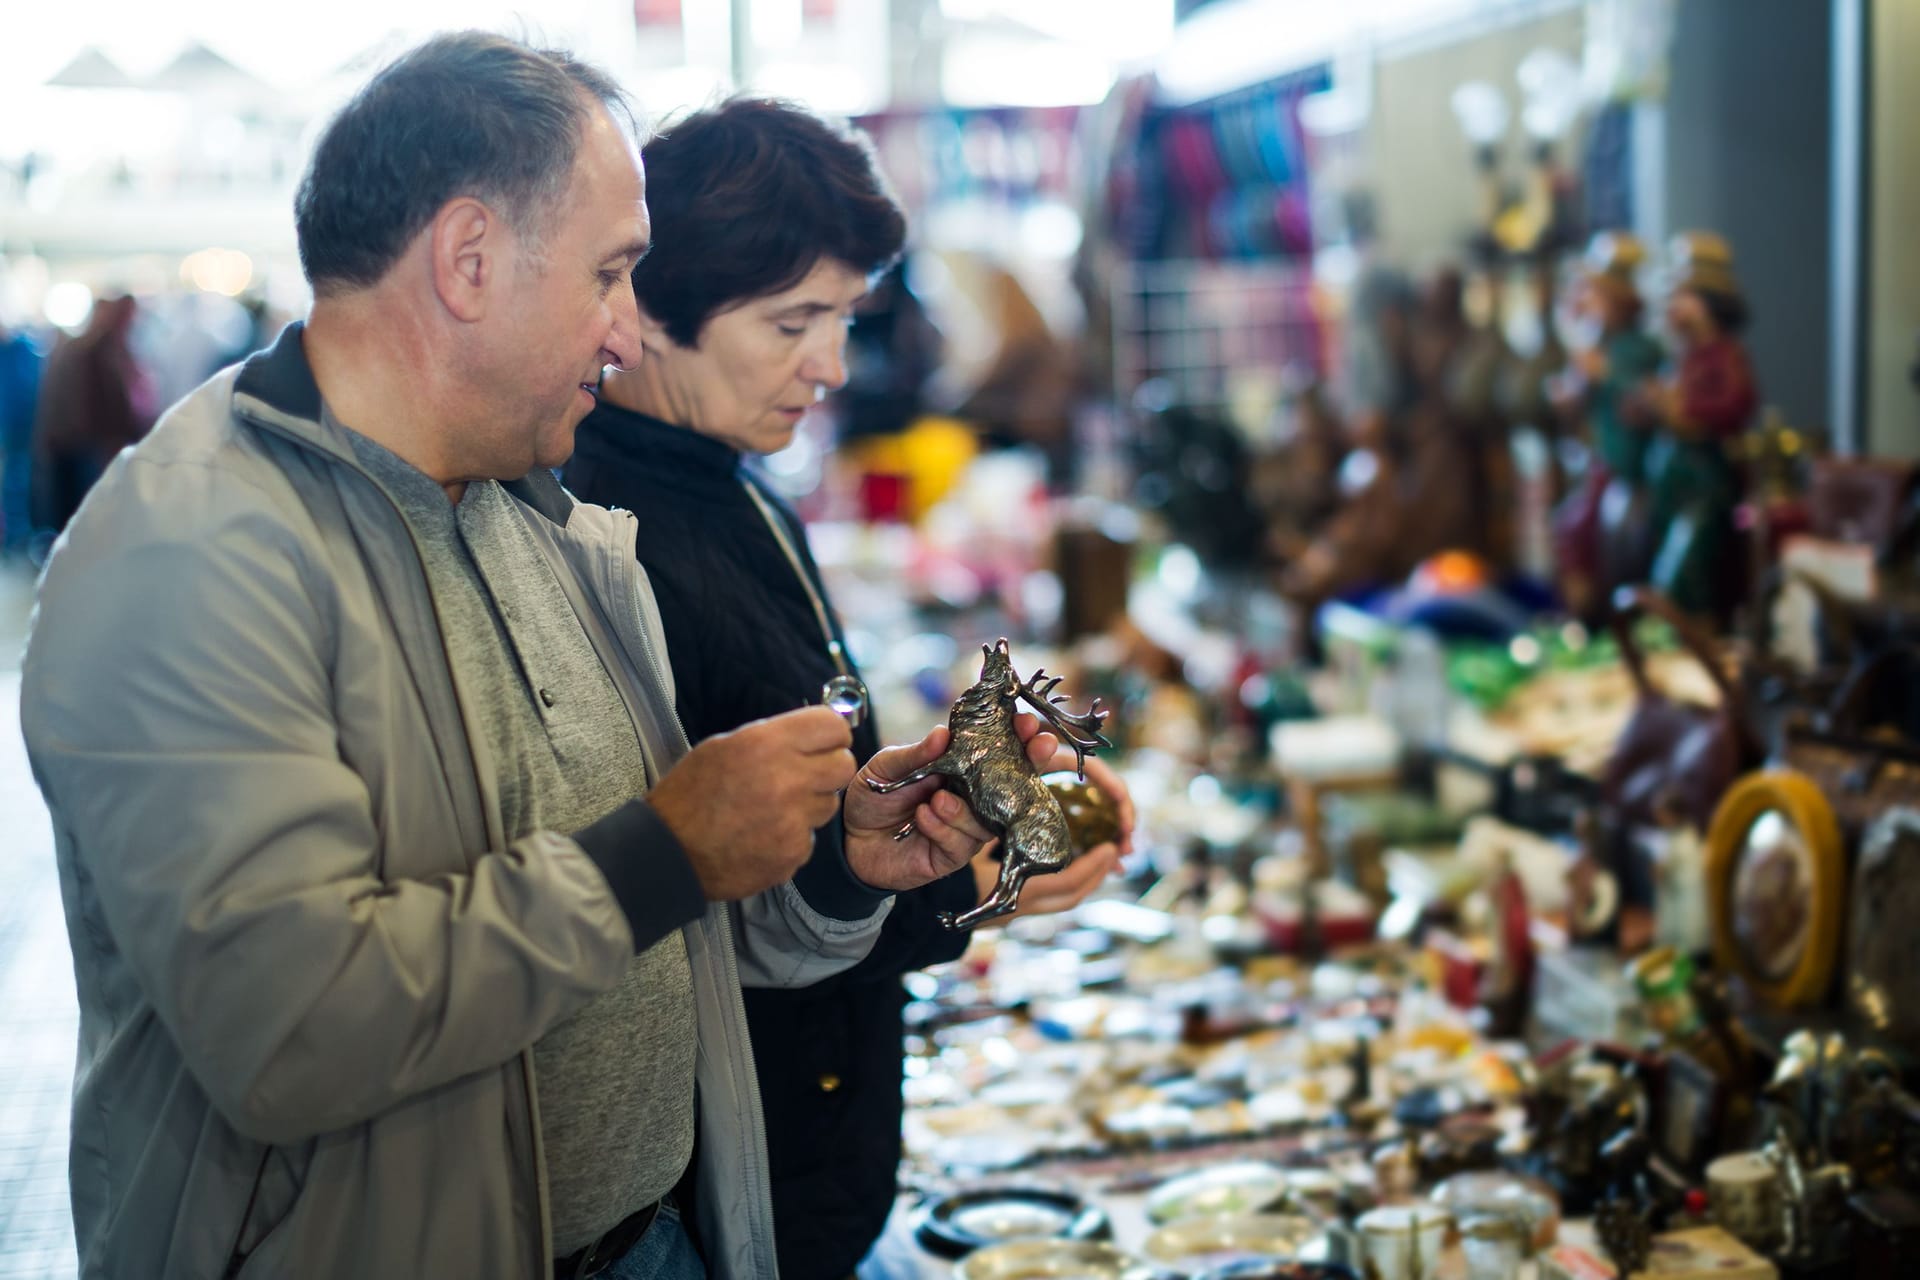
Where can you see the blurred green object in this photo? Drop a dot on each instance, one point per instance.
(1489, 674)
(1397, 818)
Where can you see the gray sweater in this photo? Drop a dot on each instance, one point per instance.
(615, 1081)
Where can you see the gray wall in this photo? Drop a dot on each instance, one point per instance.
(1742, 146)
(1748, 154)
(1420, 165)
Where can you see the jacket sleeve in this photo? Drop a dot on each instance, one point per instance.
(179, 716)
(914, 937)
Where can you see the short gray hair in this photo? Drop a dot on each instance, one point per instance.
(468, 113)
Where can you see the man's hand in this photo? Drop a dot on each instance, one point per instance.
(745, 804)
(946, 833)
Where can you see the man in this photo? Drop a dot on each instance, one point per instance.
(404, 921)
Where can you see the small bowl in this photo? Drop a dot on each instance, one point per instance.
(956, 1225)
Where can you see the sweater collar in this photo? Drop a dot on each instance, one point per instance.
(657, 444)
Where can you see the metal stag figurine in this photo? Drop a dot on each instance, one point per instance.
(990, 770)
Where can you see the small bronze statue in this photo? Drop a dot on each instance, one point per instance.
(991, 772)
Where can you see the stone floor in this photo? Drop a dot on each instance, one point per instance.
(38, 1018)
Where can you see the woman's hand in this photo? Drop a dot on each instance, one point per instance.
(1067, 888)
(946, 833)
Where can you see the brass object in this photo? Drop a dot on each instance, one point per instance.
(988, 766)
(1093, 819)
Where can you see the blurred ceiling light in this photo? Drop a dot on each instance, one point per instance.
(67, 304)
(222, 271)
(776, 24)
(1482, 112)
(1333, 113)
(1551, 87)
(1123, 30)
(997, 71)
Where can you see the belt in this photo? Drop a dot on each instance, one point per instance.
(608, 1249)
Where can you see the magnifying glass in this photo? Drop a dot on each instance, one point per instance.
(847, 697)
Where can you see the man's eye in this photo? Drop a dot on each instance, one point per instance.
(609, 280)
(792, 331)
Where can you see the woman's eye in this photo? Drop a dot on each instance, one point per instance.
(792, 331)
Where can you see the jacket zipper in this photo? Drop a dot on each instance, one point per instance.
(753, 1136)
(545, 1251)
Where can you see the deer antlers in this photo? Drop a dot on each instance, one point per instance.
(1082, 733)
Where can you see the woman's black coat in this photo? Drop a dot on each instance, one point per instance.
(744, 643)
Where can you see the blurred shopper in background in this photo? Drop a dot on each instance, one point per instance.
(95, 401)
(21, 364)
(769, 227)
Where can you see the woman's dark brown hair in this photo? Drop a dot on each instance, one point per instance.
(746, 198)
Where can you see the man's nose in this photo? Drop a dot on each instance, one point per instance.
(622, 347)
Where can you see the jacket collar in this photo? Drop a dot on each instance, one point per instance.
(279, 381)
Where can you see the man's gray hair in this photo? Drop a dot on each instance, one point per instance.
(465, 114)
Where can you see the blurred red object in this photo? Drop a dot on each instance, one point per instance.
(883, 496)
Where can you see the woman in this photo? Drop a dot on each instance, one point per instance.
(769, 227)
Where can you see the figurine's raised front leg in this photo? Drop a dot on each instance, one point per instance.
(945, 764)
(1003, 901)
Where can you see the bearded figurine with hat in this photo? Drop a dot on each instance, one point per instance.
(1702, 409)
(1599, 538)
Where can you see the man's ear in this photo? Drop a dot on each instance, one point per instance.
(467, 245)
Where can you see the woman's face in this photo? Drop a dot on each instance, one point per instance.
(762, 364)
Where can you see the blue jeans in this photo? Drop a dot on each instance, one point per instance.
(663, 1253)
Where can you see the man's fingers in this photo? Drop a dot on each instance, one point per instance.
(810, 729)
(820, 808)
(826, 773)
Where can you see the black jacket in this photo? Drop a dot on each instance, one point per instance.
(744, 643)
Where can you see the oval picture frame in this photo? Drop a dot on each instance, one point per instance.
(1801, 804)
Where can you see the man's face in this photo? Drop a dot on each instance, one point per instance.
(762, 364)
(570, 308)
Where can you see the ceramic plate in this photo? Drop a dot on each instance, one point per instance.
(1052, 1260)
(1199, 1244)
(1246, 1186)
